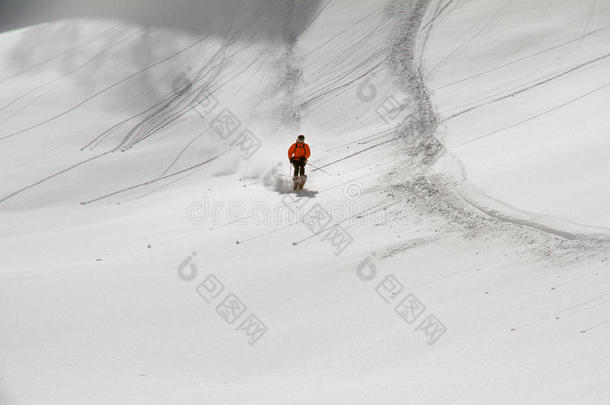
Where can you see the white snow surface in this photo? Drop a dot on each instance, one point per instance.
(482, 195)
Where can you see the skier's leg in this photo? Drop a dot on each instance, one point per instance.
(302, 177)
(296, 168)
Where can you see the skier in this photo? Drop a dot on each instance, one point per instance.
(298, 153)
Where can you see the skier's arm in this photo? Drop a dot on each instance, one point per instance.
(291, 151)
(307, 152)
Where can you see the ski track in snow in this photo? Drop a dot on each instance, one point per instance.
(422, 147)
(409, 187)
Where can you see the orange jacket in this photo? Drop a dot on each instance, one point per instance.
(299, 150)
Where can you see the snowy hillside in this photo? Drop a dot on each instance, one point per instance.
(521, 106)
(451, 244)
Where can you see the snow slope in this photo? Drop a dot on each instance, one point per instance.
(131, 216)
(521, 106)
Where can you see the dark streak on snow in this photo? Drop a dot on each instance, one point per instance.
(410, 181)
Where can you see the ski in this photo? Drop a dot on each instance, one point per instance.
(298, 182)
(302, 181)
(295, 181)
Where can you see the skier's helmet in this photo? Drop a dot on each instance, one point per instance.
(301, 138)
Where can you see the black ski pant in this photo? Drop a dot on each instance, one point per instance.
(299, 166)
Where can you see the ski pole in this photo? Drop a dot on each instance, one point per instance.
(319, 168)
